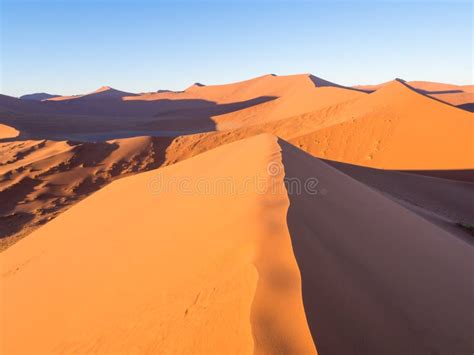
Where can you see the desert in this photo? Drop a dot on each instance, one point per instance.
(120, 262)
(236, 177)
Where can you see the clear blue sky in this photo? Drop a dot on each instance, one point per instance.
(72, 46)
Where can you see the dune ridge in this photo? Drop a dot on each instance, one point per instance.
(224, 298)
(347, 263)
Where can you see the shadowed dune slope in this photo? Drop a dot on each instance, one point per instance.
(461, 96)
(40, 96)
(377, 278)
(443, 201)
(104, 92)
(146, 266)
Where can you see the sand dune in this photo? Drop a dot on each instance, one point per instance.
(307, 102)
(197, 109)
(307, 93)
(41, 179)
(134, 278)
(40, 96)
(433, 87)
(169, 222)
(461, 96)
(104, 92)
(8, 132)
(395, 128)
(347, 268)
(392, 128)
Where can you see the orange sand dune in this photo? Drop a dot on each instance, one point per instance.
(428, 86)
(121, 273)
(301, 99)
(461, 96)
(151, 264)
(393, 128)
(396, 128)
(292, 95)
(8, 132)
(433, 86)
(198, 109)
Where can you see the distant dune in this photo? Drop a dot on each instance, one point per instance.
(38, 96)
(395, 128)
(104, 92)
(461, 96)
(8, 132)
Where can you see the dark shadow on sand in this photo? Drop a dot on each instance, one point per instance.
(376, 278)
(96, 120)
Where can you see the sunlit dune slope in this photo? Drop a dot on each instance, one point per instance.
(461, 96)
(396, 128)
(303, 93)
(149, 265)
(8, 132)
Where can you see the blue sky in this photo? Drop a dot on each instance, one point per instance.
(69, 47)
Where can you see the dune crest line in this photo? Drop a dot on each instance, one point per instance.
(164, 271)
(278, 319)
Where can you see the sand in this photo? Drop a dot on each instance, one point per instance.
(395, 127)
(350, 269)
(377, 278)
(41, 179)
(8, 132)
(199, 109)
(134, 278)
(461, 96)
(100, 257)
